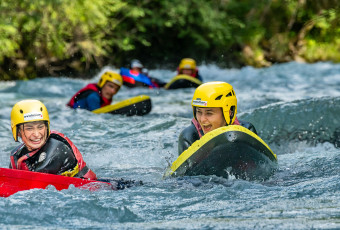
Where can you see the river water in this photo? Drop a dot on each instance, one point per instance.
(295, 108)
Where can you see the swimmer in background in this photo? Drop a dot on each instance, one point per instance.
(187, 66)
(97, 95)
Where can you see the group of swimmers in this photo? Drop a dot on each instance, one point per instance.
(97, 95)
(214, 105)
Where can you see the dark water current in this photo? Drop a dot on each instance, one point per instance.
(295, 108)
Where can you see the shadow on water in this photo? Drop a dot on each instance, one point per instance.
(314, 121)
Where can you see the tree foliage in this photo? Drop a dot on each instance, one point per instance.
(71, 37)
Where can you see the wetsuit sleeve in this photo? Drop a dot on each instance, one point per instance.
(199, 77)
(187, 137)
(248, 125)
(93, 101)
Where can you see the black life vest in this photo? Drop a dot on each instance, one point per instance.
(57, 156)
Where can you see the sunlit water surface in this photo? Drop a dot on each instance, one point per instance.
(295, 108)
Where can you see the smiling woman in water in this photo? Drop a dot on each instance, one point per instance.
(214, 105)
(43, 150)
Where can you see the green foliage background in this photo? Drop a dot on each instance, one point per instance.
(72, 37)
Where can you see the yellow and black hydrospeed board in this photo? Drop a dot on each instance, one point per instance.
(183, 81)
(227, 151)
(139, 105)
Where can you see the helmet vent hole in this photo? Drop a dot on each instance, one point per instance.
(21, 111)
(218, 98)
(229, 94)
(41, 109)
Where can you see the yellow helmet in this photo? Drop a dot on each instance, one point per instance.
(187, 63)
(112, 77)
(27, 111)
(216, 94)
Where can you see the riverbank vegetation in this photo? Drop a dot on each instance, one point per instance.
(71, 38)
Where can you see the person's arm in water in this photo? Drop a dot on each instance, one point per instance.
(93, 101)
(248, 125)
(199, 77)
(187, 137)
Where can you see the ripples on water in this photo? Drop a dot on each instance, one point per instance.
(294, 107)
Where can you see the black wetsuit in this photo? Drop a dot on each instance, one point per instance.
(190, 134)
(57, 156)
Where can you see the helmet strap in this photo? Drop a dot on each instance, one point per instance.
(231, 113)
(18, 131)
(22, 132)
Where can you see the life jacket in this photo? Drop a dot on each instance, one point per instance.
(133, 78)
(199, 128)
(84, 92)
(57, 156)
(194, 132)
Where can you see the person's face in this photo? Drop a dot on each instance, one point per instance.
(33, 134)
(210, 118)
(187, 71)
(109, 89)
(136, 69)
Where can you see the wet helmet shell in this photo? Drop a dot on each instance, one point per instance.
(28, 111)
(112, 77)
(216, 94)
(187, 63)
